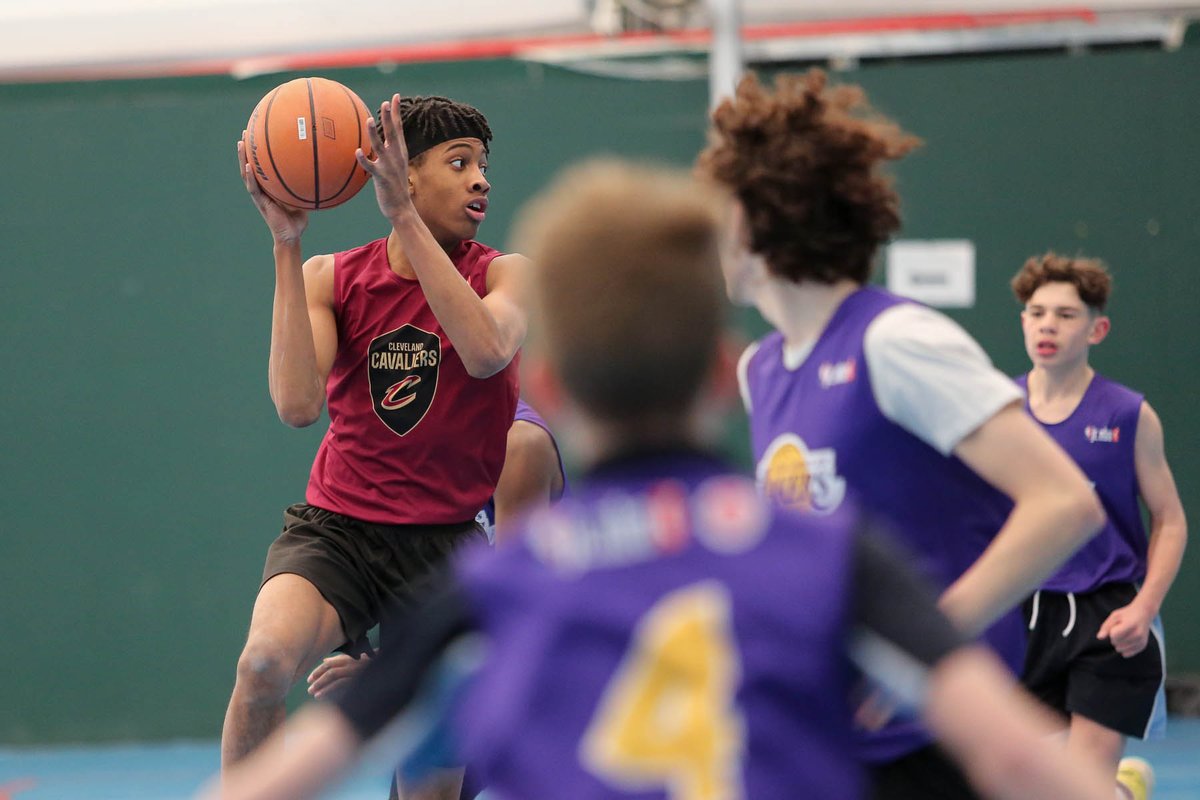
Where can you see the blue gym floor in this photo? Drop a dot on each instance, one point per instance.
(132, 772)
(175, 771)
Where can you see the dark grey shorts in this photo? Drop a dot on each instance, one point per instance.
(363, 569)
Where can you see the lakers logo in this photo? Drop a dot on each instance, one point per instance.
(799, 478)
(402, 366)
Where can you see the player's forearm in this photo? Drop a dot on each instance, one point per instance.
(292, 374)
(998, 734)
(1040, 534)
(484, 347)
(1168, 540)
(297, 762)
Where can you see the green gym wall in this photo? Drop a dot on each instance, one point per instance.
(143, 471)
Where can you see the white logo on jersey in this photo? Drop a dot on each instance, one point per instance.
(836, 374)
(1104, 435)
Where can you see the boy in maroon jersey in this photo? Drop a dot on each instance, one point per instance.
(410, 341)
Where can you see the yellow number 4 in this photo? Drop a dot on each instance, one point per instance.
(668, 719)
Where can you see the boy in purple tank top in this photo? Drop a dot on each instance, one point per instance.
(1095, 646)
(664, 632)
(861, 394)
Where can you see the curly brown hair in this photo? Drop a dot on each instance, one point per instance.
(1089, 276)
(804, 161)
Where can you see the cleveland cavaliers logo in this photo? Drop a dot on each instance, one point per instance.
(403, 370)
(799, 478)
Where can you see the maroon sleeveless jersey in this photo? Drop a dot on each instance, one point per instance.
(412, 439)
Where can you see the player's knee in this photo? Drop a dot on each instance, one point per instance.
(265, 672)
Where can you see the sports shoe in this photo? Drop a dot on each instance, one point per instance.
(1137, 776)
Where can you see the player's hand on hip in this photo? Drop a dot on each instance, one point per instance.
(389, 170)
(1127, 629)
(287, 224)
(333, 672)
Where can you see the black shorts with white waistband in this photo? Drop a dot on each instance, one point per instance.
(1072, 671)
(363, 569)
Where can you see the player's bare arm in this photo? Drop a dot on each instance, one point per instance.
(1007, 757)
(1055, 511)
(507, 280)
(319, 745)
(303, 335)
(1128, 628)
(303, 332)
(486, 333)
(530, 478)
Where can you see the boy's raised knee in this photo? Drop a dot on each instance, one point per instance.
(265, 672)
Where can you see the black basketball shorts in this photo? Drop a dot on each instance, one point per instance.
(363, 569)
(1072, 671)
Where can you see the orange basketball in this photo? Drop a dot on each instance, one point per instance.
(301, 139)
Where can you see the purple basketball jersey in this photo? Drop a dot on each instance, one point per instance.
(1099, 435)
(818, 436)
(663, 624)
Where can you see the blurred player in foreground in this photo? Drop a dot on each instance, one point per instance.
(664, 631)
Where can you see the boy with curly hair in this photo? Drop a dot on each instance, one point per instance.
(1095, 643)
(861, 393)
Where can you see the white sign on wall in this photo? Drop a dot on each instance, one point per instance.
(939, 272)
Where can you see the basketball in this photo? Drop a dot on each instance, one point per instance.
(300, 143)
